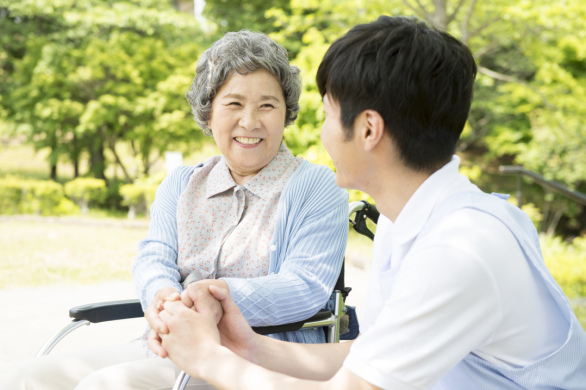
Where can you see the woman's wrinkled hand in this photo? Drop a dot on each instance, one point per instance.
(156, 325)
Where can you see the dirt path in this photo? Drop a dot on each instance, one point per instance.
(23, 331)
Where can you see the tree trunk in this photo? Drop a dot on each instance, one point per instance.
(54, 171)
(97, 160)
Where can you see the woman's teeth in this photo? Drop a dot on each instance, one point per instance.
(247, 141)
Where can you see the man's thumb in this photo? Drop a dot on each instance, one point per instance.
(224, 297)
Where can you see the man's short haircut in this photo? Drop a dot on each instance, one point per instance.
(243, 52)
(417, 78)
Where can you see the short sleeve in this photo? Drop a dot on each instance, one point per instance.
(444, 304)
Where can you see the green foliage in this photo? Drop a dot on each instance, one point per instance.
(81, 76)
(10, 195)
(236, 15)
(40, 197)
(86, 190)
(87, 78)
(567, 263)
(139, 196)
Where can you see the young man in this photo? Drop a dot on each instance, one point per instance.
(459, 296)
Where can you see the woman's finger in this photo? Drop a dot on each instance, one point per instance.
(172, 307)
(154, 343)
(186, 299)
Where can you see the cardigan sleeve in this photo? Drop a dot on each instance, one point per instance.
(155, 265)
(308, 247)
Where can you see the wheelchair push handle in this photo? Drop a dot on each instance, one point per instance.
(364, 211)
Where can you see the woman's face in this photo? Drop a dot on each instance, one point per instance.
(247, 121)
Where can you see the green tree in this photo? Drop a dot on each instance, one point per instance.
(87, 76)
(236, 15)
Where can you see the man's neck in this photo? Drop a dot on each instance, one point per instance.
(393, 189)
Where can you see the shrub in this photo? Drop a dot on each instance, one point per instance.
(84, 190)
(40, 197)
(567, 263)
(10, 195)
(138, 196)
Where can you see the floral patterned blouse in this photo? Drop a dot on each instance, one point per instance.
(225, 229)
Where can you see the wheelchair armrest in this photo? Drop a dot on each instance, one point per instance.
(107, 311)
(321, 315)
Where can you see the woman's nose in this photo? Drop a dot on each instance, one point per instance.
(249, 120)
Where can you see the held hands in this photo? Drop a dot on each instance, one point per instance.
(196, 296)
(194, 336)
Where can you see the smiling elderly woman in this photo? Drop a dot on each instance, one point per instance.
(257, 220)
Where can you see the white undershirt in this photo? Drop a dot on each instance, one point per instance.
(465, 287)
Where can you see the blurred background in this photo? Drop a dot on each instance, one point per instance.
(93, 116)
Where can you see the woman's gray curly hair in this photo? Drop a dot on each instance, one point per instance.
(242, 52)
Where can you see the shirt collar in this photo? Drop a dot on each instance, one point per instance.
(219, 179)
(263, 184)
(442, 183)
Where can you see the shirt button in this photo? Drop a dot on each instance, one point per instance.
(273, 248)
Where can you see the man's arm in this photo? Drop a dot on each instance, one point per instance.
(195, 344)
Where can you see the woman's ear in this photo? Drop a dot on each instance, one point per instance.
(372, 128)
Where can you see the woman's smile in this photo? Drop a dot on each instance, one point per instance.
(248, 142)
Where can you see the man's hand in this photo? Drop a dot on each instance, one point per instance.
(192, 339)
(235, 333)
(197, 296)
(152, 316)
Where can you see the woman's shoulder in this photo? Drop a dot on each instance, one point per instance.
(315, 181)
(178, 179)
(314, 172)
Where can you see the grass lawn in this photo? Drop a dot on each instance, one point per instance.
(38, 251)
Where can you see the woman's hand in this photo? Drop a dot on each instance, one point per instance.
(152, 316)
(197, 296)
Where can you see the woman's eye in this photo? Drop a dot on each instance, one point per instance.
(268, 105)
(234, 104)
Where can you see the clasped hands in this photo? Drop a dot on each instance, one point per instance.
(188, 327)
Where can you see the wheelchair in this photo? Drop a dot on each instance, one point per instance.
(330, 318)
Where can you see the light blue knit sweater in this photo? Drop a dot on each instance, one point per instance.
(306, 254)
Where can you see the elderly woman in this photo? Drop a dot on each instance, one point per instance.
(257, 220)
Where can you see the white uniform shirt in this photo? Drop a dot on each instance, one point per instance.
(465, 287)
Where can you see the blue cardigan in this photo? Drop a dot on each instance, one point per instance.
(306, 251)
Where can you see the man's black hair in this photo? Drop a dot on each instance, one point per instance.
(417, 78)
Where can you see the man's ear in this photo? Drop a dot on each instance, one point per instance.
(371, 128)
